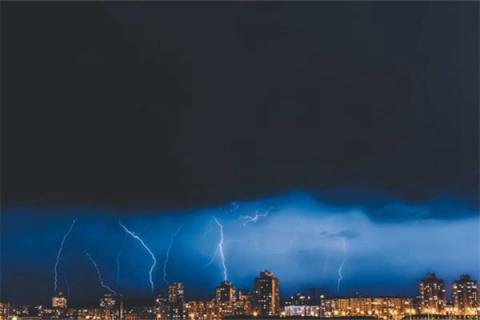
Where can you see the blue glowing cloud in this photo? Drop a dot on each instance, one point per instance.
(301, 240)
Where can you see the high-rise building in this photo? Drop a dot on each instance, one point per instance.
(176, 302)
(432, 298)
(465, 295)
(225, 298)
(59, 301)
(267, 295)
(107, 301)
(225, 292)
(176, 292)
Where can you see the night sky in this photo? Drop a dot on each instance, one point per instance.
(337, 123)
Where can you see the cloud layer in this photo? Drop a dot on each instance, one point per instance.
(300, 239)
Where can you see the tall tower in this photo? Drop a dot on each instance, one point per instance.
(225, 298)
(107, 303)
(59, 301)
(267, 294)
(465, 295)
(176, 292)
(176, 301)
(431, 294)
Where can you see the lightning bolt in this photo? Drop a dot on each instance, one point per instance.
(99, 275)
(59, 254)
(154, 260)
(167, 254)
(253, 219)
(220, 249)
(340, 269)
(118, 257)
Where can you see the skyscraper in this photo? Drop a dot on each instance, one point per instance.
(465, 295)
(107, 301)
(59, 301)
(176, 301)
(225, 298)
(266, 296)
(176, 292)
(431, 294)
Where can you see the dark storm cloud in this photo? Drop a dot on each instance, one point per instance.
(164, 105)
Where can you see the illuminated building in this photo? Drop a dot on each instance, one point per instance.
(298, 300)
(161, 307)
(59, 301)
(438, 317)
(3, 310)
(225, 298)
(243, 303)
(322, 310)
(282, 317)
(394, 308)
(266, 297)
(176, 301)
(301, 305)
(201, 310)
(140, 313)
(302, 311)
(176, 311)
(43, 311)
(107, 301)
(432, 297)
(176, 293)
(14, 312)
(89, 314)
(465, 295)
(225, 292)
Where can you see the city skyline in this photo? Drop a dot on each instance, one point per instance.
(335, 144)
(226, 290)
(262, 301)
